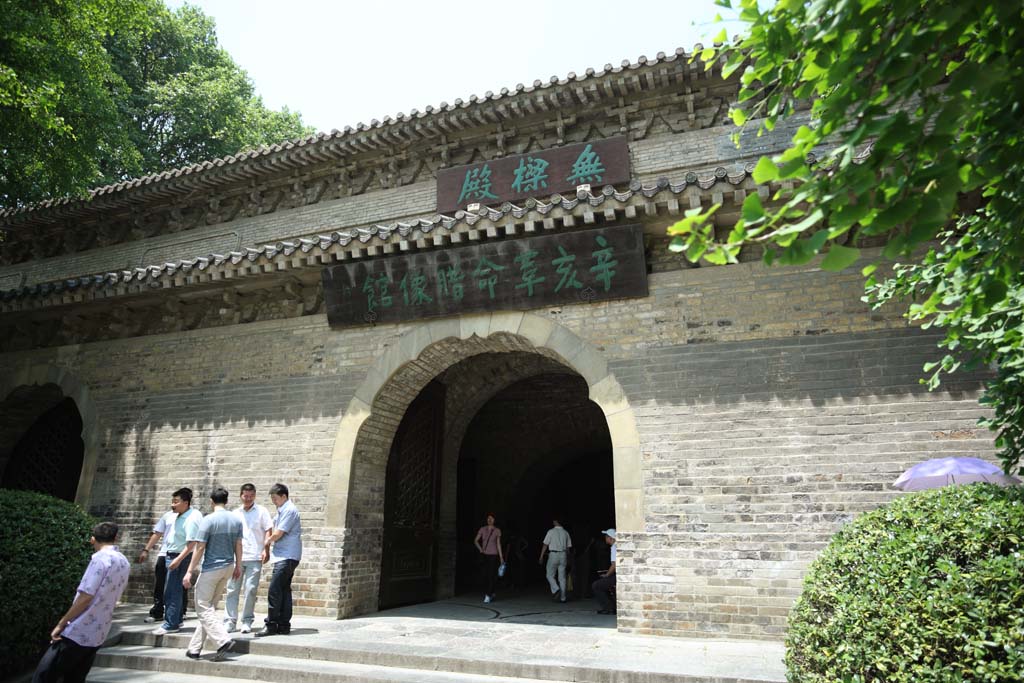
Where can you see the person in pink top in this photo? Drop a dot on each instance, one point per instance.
(83, 628)
(488, 542)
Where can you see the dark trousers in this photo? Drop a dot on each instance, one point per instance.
(489, 569)
(279, 597)
(603, 588)
(64, 658)
(159, 582)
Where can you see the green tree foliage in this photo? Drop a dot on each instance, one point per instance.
(935, 90)
(187, 99)
(929, 588)
(59, 124)
(96, 91)
(44, 546)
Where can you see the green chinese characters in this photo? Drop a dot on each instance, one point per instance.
(477, 185)
(527, 272)
(587, 168)
(376, 290)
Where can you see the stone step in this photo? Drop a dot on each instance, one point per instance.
(162, 662)
(102, 674)
(283, 651)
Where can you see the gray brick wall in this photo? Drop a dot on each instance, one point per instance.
(772, 406)
(755, 452)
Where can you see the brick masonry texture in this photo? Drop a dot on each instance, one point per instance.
(772, 407)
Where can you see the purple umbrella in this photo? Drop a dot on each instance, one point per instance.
(932, 474)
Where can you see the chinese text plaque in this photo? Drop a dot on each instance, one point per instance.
(535, 174)
(520, 274)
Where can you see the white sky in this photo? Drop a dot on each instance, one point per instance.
(342, 63)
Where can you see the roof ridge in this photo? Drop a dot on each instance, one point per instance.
(335, 134)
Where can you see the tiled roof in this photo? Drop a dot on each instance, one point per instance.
(162, 275)
(322, 146)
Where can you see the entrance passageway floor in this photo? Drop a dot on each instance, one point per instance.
(521, 639)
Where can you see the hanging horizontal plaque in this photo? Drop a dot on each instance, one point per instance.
(536, 174)
(521, 274)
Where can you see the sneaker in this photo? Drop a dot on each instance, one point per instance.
(487, 598)
(163, 631)
(230, 626)
(267, 631)
(150, 620)
(193, 655)
(223, 650)
(246, 628)
(554, 597)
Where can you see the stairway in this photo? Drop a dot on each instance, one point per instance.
(143, 657)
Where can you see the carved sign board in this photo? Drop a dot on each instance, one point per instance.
(522, 274)
(536, 174)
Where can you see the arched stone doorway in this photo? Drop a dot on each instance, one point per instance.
(48, 434)
(356, 490)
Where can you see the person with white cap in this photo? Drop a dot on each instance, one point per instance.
(604, 586)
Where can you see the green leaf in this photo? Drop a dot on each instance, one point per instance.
(677, 244)
(752, 210)
(897, 214)
(995, 293)
(765, 171)
(839, 258)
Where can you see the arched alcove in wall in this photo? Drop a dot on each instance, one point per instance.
(48, 435)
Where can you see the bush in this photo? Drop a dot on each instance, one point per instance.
(44, 549)
(928, 588)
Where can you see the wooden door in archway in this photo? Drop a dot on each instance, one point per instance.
(412, 503)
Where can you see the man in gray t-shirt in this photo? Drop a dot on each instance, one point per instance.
(219, 552)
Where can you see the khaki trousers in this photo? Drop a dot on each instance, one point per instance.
(208, 590)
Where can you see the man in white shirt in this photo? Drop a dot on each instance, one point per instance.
(256, 528)
(166, 521)
(557, 544)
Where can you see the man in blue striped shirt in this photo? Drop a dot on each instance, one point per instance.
(285, 546)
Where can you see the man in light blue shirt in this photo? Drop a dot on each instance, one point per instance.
(180, 543)
(285, 547)
(219, 551)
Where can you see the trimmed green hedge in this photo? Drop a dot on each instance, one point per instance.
(927, 588)
(44, 550)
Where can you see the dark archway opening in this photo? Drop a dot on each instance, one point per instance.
(510, 432)
(538, 448)
(46, 456)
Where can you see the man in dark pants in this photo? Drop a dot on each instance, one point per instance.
(284, 547)
(604, 586)
(84, 627)
(156, 612)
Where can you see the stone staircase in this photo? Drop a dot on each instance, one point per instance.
(143, 657)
